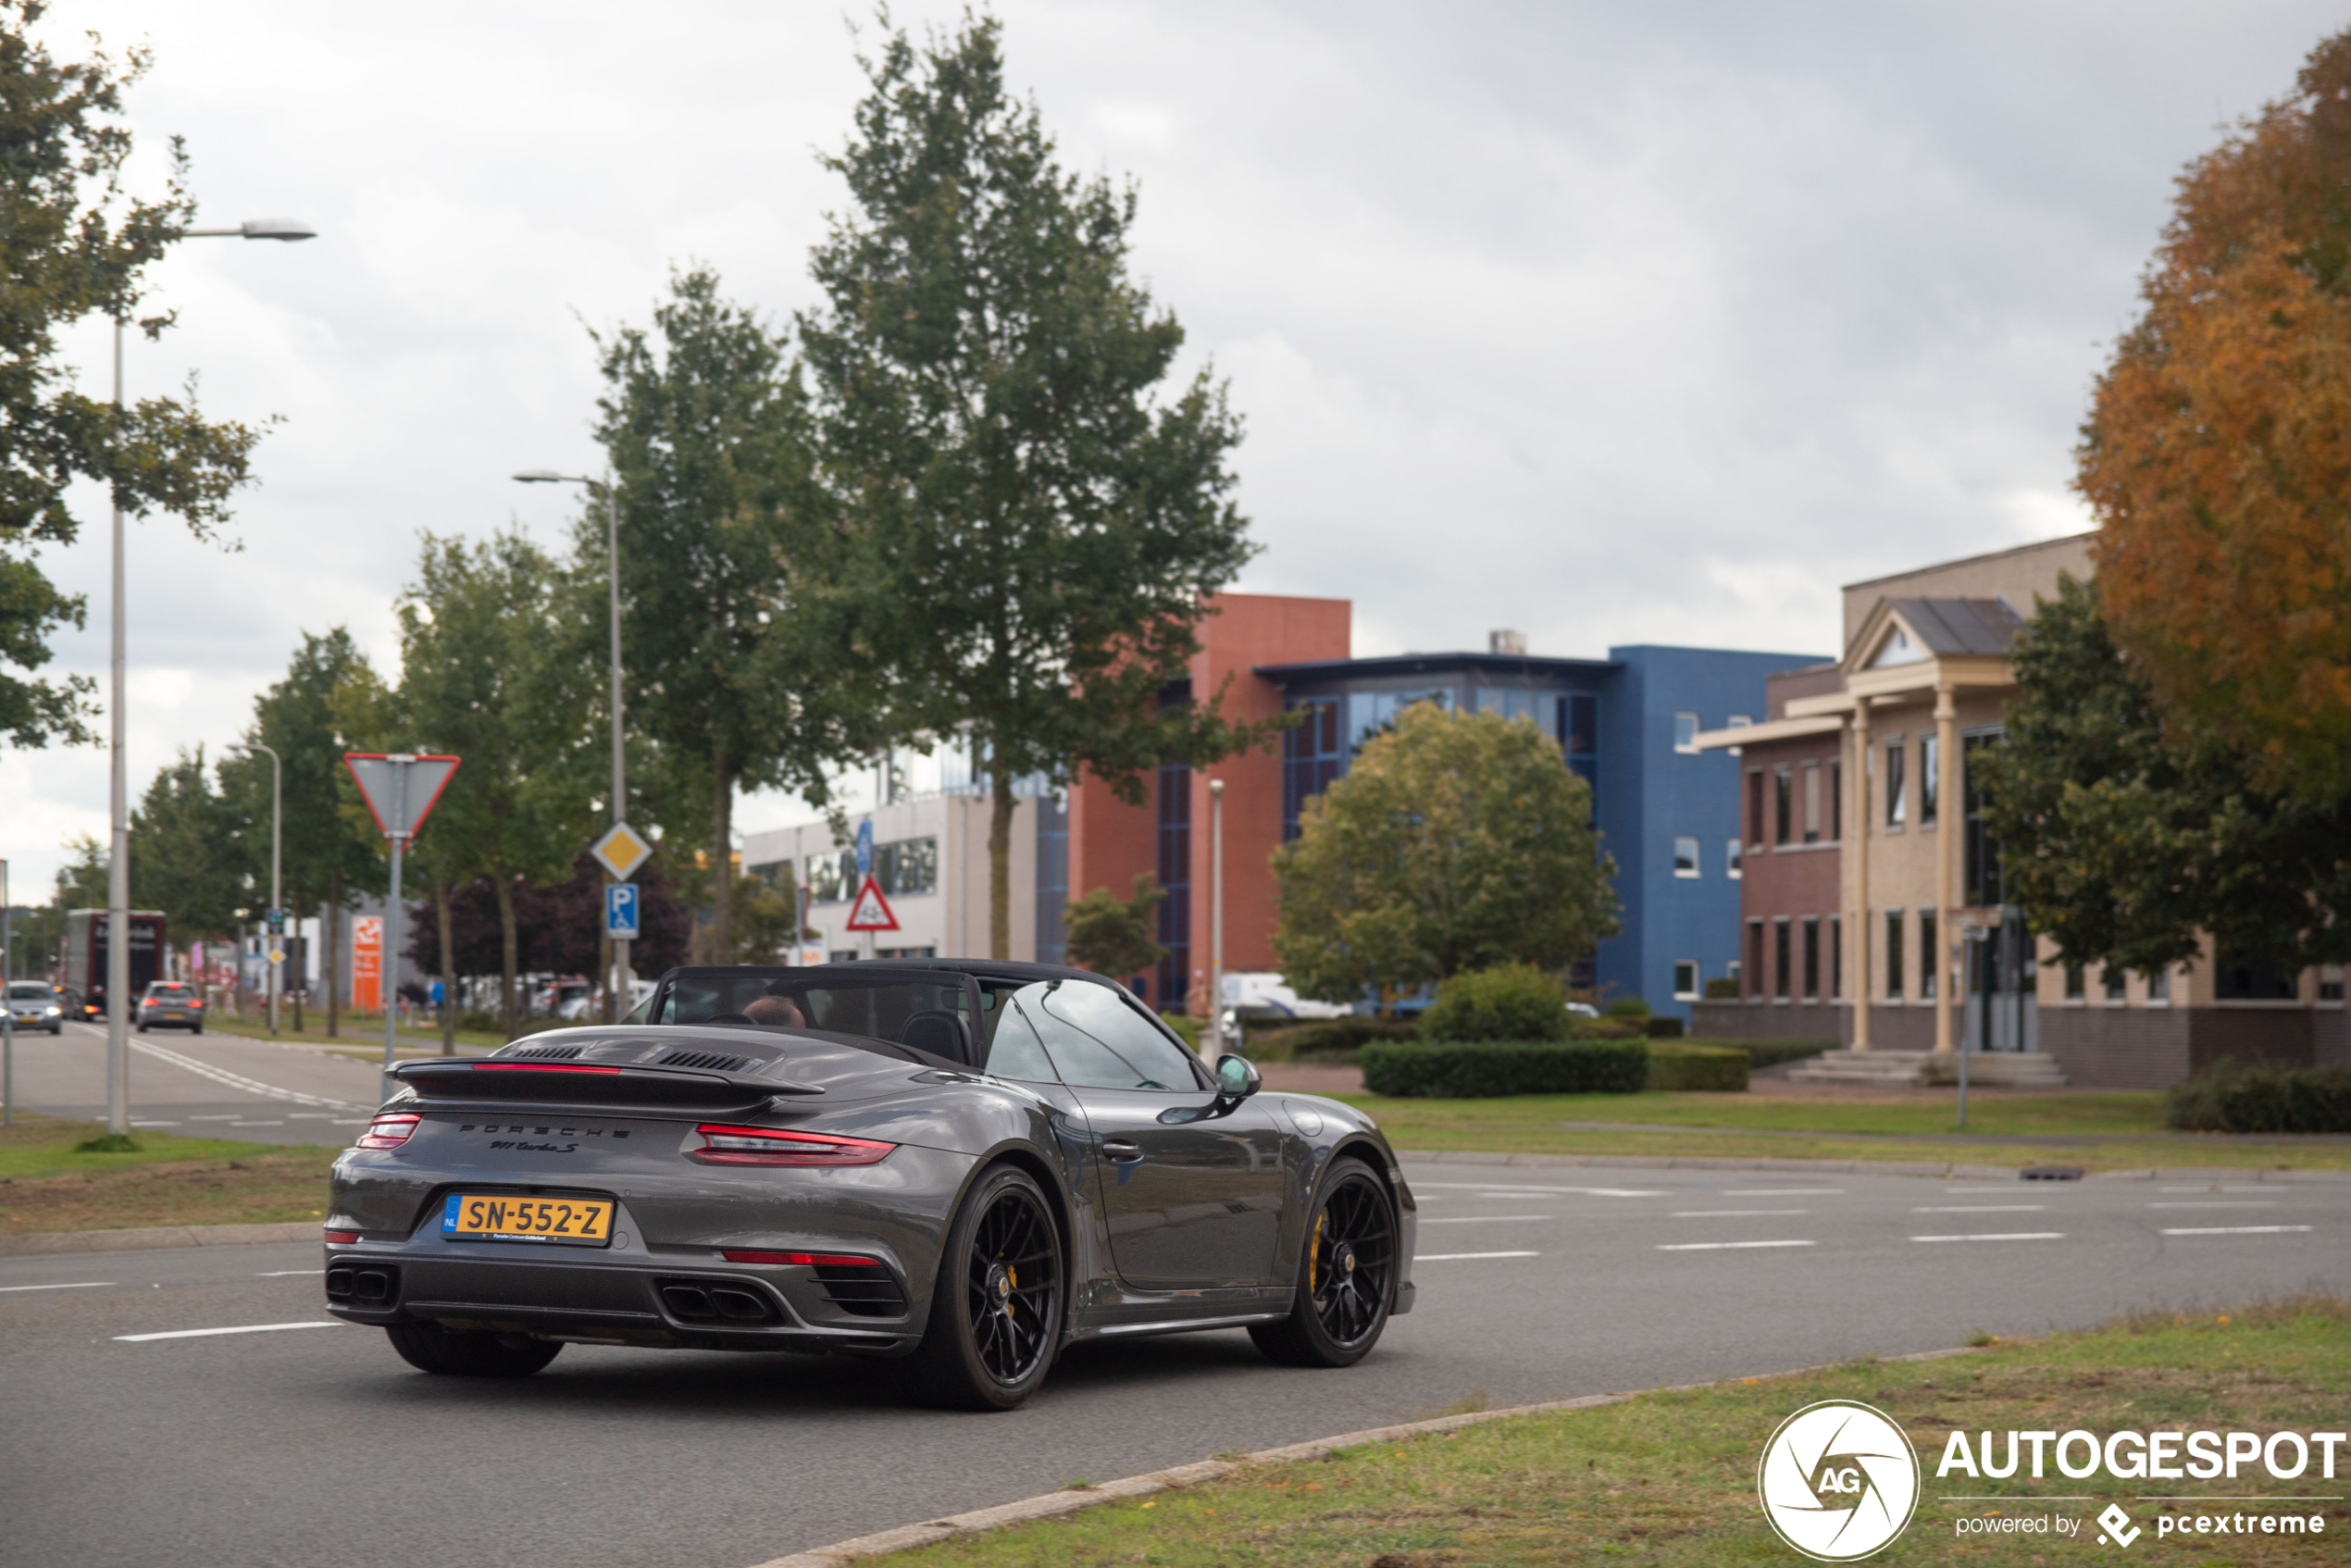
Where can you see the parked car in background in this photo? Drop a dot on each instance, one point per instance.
(172, 1002)
(1255, 994)
(36, 1004)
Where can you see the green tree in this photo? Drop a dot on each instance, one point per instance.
(78, 243)
(482, 681)
(1113, 936)
(743, 656)
(1041, 526)
(326, 860)
(1452, 844)
(2123, 843)
(189, 854)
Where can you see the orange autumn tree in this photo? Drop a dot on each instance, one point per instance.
(2217, 456)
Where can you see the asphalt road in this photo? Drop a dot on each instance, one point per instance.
(302, 1445)
(204, 1086)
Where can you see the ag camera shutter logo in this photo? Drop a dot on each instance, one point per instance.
(1838, 1481)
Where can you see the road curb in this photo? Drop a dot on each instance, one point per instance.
(41, 1243)
(1851, 1167)
(1051, 1505)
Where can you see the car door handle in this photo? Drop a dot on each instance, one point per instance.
(1121, 1148)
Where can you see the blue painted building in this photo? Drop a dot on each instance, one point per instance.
(1628, 723)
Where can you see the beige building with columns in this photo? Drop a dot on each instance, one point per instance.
(1929, 957)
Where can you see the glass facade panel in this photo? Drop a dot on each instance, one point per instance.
(1929, 965)
(1892, 955)
(1173, 982)
(1979, 856)
(1312, 759)
(1896, 805)
(1685, 857)
(1930, 778)
(1780, 975)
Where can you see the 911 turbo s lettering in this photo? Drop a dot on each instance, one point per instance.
(957, 1167)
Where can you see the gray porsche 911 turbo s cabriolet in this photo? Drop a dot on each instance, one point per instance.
(956, 1164)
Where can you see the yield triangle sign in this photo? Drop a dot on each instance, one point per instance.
(400, 789)
(871, 912)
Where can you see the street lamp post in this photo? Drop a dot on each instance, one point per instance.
(618, 978)
(1217, 912)
(277, 839)
(118, 781)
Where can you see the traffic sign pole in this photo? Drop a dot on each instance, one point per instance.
(401, 791)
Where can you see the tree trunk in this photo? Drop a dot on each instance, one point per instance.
(448, 969)
(999, 862)
(722, 866)
(330, 969)
(510, 954)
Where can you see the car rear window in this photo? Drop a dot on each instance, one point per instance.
(167, 988)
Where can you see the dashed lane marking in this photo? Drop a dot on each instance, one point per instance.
(1483, 1219)
(2001, 1235)
(2221, 1203)
(214, 1333)
(282, 1272)
(76, 1285)
(238, 1080)
(1736, 1214)
(1724, 1246)
(1520, 1189)
(1981, 1208)
(1782, 1192)
(2238, 1230)
(1464, 1257)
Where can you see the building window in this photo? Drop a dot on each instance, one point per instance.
(2115, 981)
(1836, 958)
(1685, 857)
(2074, 978)
(1579, 720)
(1780, 975)
(1755, 807)
(1928, 964)
(2159, 988)
(1811, 802)
(2330, 982)
(1979, 856)
(2241, 977)
(1892, 955)
(1174, 981)
(1754, 964)
(1733, 860)
(1738, 721)
(1930, 784)
(1811, 958)
(1684, 979)
(900, 867)
(1897, 808)
(1837, 800)
(1783, 806)
(1313, 758)
(1685, 732)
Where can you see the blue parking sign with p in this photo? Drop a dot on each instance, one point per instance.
(620, 911)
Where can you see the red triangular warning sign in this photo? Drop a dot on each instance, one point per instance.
(871, 911)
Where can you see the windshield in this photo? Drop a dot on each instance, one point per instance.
(27, 991)
(927, 1015)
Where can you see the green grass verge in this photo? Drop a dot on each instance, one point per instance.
(1669, 1479)
(1826, 1129)
(47, 1184)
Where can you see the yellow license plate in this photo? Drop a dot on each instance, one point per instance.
(475, 1216)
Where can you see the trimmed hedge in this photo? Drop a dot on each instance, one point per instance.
(1320, 1039)
(1772, 1053)
(1510, 1002)
(2232, 1097)
(1605, 1028)
(1486, 1069)
(1710, 1068)
(1658, 1027)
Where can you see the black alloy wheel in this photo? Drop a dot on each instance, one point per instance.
(1346, 1279)
(995, 1316)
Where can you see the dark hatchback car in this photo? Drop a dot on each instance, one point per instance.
(173, 1003)
(956, 1165)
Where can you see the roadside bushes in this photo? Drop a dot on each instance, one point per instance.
(1710, 1068)
(1510, 1002)
(1484, 1069)
(2230, 1096)
(1322, 1039)
(1772, 1053)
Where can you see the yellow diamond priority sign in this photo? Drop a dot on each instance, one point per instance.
(620, 850)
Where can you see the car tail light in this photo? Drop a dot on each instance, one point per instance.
(503, 1066)
(341, 1238)
(723, 1145)
(805, 1260)
(388, 1132)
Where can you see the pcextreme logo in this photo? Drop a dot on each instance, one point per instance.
(1838, 1480)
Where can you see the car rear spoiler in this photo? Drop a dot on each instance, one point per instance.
(503, 1081)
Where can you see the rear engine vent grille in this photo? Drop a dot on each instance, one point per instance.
(864, 1289)
(716, 1063)
(548, 1052)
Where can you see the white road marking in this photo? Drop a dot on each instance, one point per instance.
(1460, 1257)
(2220, 1204)
(1735, 1214)
(1482, 1219)
(1782, 1192)
(2006, 1236)
(76, 1285)
(310, 1117)
(2011, 1187)
(238, 1080)
(2208, 1188)
(256, 1124)
(227, 1118)
(1514, 1188)
(2238, 1230)
(210, 1333)
(1723, 1246)
(139, 1124)
(282, 1272)
(1981, 1208)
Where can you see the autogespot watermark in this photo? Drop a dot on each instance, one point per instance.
(1839, 1481)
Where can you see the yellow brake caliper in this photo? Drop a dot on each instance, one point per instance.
(1314, 1258)
(1012, 1278)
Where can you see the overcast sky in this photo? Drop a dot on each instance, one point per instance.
(1615, 323)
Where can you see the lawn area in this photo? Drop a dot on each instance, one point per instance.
(360, 1037)
(1670, 1479)
(1826, 1129)
(46, 1185)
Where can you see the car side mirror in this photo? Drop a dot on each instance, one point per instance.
(1237, 1078)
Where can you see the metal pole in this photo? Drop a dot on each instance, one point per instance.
(1217, 912)
(277, 841)
(118, 865)
(620, 975)
(7, 1008)
(387, 962)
